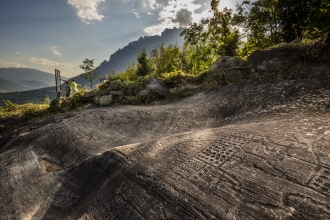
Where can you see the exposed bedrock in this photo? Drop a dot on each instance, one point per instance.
(244, 151)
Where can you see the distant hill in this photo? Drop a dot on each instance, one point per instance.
(34, 83)
(8, 86)
(22, 79)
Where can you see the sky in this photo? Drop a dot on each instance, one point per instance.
(59, 34)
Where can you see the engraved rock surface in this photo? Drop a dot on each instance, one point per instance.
(244, 151)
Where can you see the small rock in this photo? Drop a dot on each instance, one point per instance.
(105, 100)
(154, 87)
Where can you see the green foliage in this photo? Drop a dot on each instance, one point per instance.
(143, 67)
(224, 37)
(47, 101)
(266, 23)
(165, 59)
(210, 39)
(9, 106)
(197, 53)
(258, 21)
(126, 77)
(296, 17)
(176, 78)
(29, 111)
(23, 112)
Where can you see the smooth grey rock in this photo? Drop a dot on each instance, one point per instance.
(244, 151)
(232, 68)
(290, 56)
(154, 87)
(227, 62)
(105, 100)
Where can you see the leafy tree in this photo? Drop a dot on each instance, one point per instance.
(269, 22)
(130, 72)
(258, 20)
(196, 47)
(89, 69)
(155, 59)
(224, 37)
(165, 59)
(211, 38)
(143, 67)
(296, 17)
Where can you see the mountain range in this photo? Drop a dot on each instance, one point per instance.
(22, 79)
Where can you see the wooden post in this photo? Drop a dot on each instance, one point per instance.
(58, 83)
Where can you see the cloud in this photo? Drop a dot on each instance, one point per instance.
(6, 64)
(183, 17)
(134, 12)
(47, 62)
(55, 51)
(87, 10)
(151, 4)
(176, 14)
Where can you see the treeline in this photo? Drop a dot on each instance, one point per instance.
(254, 25)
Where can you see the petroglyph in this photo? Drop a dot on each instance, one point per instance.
(244, 151)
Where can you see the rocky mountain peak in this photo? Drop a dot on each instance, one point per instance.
(123, 57)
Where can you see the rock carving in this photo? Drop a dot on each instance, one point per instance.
(243, 151)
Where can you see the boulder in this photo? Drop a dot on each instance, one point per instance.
(144, 92)
(96, 99)
(289, 56)
(227, 62)
(154, 87)
(233, 68)
(105, 100)
(274, 59)
(320, 51)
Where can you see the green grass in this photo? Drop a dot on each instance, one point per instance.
(23, 112)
